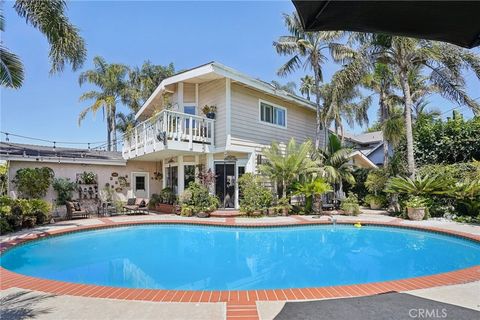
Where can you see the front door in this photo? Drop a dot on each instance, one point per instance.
(140, 184)
(225, 184)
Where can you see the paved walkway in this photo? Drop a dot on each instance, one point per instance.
(19, 301)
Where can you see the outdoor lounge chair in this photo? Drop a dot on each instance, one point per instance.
(75, 211)
(136, 205)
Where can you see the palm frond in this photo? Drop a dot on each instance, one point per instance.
(11, 69)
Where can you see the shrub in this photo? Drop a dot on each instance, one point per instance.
(64, 188)
(167, 196)
(421, 185)
(360, 175)
(350, 204)
(88, 178)
(255, 196)
(154, 200)
(196, 199)
(33, 182)
(376, 181)
(41, 209)
(373, 200)
(417, 202)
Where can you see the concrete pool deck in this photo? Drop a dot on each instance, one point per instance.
(73, 301)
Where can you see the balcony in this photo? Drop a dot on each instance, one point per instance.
(170, 130)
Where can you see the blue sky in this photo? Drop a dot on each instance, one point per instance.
(238, 34)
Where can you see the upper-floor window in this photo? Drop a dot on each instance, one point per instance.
(273, 114)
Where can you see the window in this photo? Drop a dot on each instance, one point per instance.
(189, 174)
(273, 114)
(139, 183)
(190, 110)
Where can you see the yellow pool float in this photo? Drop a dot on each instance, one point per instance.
(357, 225)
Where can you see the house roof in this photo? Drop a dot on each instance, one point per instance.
(365, 138)
(215, 70)
(31, 152)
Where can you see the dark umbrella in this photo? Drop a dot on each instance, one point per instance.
(457, 22)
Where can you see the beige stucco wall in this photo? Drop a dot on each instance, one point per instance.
(104, 173)
(247, 128)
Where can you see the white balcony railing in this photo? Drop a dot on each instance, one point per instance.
(155, 133)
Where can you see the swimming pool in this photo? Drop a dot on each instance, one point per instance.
(191, 257)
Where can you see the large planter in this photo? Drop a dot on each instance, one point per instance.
(165, 208)
(416, 213)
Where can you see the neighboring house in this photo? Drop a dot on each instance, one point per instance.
(370, 145)
(174, 138)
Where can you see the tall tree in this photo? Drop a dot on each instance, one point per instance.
(125, 123)
(66, 44)
(306, 86)
(442, 63)
(143, 81)
(289, 87)
(111, 82)
(348, 105)
(307, 50)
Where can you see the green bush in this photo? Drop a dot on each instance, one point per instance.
(196, 198)
(15, 214)
(154, 200)
(372, 199)
(350, 204)
(417, 202)
(64, 188)
(168, 196)
(254, 196)
(41, 209)
(33, 182)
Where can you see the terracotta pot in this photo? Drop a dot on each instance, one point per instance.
(416, 213)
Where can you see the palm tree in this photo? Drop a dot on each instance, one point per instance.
(283, 167)
(110, 79)
(306, 86)
(143, 81)
(66, 45)
(393, 129)
(307, 51)
(443, 64)
(348, 105)
(289, 87)
(125, 123)
(334, 163)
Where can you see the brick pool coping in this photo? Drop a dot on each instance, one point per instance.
(241, 304)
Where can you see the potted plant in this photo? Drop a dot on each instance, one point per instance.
(416, 207)
(284, 206)
(375, 201)
(88, 177)
(350, 205)
(209, 111)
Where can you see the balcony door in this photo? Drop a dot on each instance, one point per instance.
(225, 184)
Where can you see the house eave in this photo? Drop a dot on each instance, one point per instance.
(108, 162)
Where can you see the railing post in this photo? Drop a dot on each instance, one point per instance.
(144, 138)
(190, 138)
(212, 138)
(136, 141)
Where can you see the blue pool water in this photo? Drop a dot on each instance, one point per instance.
(215, 258)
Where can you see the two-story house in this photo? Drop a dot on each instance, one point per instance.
(250, 114)
(174, 137)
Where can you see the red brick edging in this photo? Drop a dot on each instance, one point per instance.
(240, 303)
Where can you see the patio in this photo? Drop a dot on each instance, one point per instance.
(51, 299)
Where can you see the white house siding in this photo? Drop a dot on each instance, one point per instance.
(188, 92)
(247, 130)
(104, 173)
(213, 93)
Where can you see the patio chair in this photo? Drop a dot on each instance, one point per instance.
(136, 205)
(75, 211)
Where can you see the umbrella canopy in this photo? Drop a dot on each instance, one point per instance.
(457, 22)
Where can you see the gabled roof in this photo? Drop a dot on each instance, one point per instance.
(215, 70)
(365, 138)
(31, 152)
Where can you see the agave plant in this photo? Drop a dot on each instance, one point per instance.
(467, 194)
(426, 185)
